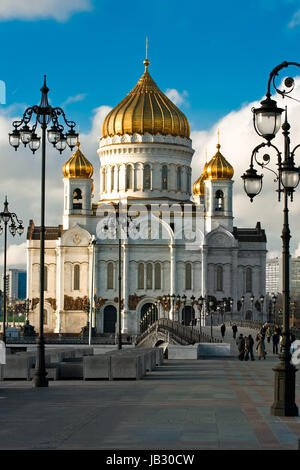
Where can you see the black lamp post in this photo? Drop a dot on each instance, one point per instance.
(267, 121)
(200, 303)
(274, 300)
(252, 302)
(261, 299)
(183, 303)
(43, 114)
(243, 306)
(15, 226)
(231, 307)
(210, 308)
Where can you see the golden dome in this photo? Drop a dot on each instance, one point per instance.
(218, 168)
(198, 186)
(78, 165)
(146, 109)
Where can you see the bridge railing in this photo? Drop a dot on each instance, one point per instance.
(187, 334)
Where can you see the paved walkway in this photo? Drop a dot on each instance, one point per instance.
(188, 404)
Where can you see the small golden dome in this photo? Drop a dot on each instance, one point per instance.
(78, 165)
(198, 186)
(146, 109)
(218, 168)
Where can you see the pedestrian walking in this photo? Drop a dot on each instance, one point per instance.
(234, 330)
(241, 347)
(249, 343)
(260, 347)
(275, 340)
(268, 334)
(223, 329)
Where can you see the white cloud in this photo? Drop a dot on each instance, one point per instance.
(16, 255)
(74, 99)
(176, 97)
(42, 9)
(295, 21)
(238, 139)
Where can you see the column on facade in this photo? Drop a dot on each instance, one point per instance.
(234, 280)
(172, 276)
(204, 280)
(90, 277)
(125, 287)
(60, 285)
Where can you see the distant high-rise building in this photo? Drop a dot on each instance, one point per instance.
(16, 284)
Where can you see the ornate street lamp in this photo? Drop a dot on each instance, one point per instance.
(200, 303)
(15, 226)
(252, 302)
(183, 303)
(210, 309)
(274, 300)
(267, 121)
(261, 299)
(243, 306)
(43, 114)
(231, 307)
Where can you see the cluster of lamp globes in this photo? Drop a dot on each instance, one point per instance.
(13, 227)
(56, 137)
(267, 122)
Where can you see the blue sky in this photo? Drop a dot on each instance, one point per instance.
(219, 52)
(214, 56)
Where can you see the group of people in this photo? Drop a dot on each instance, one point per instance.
(245, 344)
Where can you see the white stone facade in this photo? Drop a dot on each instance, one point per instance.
(222, 261)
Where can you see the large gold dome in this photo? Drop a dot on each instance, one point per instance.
(146, 109)
(218, 168)
(78, 166)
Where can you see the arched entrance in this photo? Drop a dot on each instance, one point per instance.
(145, 308)
(187, 315)
(248, 315)
(110, 319)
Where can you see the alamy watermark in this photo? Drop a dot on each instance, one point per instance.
(152, 222)
(2, 353)
(296, 352)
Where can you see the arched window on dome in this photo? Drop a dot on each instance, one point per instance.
(164, 177)
(219, 278)
(112, 179)
(141, 276)
(188, 276)
(104, 180)
(219, 200)
(149, 276)
(248, 280)
(76, 279)
(77, 199)
(110, 275)
(178, 178)
(157, 273)
(147, 177)
(129, 177)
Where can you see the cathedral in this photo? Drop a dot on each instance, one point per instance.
(173, 238)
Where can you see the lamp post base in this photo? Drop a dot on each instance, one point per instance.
(284, 393)
(40, 376)
(39, 380)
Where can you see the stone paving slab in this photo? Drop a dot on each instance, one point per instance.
(184, 404)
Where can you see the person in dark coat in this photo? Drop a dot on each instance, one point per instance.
(241, 346)
(234, 330)
(223, 329)
(249, 343)
(275, 339)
